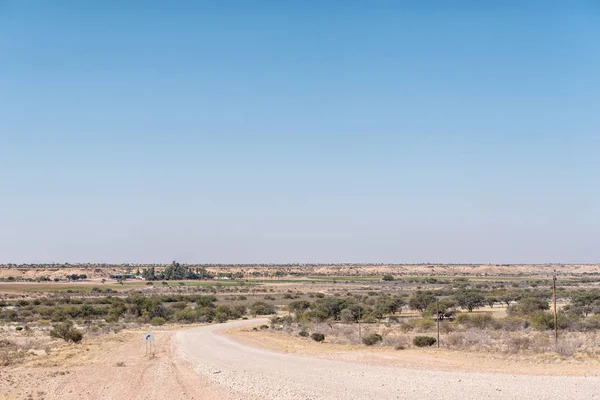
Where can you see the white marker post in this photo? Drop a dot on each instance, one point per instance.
(148, 339)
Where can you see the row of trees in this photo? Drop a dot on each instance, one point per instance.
(176, 271)
(429, 303)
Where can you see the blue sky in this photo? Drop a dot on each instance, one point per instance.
(299, 132)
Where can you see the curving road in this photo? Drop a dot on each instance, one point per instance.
(252, 373)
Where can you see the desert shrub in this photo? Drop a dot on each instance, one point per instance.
(58, 315)
(239, 309)
(299, 306)
(263, 327)
(479, 321)
(568, 348)
(511, 324)
(156, 321)
(206, 301)
(179, 305)
(446, 327)
(226, 312)
(405, 326)
(424, 324)
(387, 278)
(424, 341)
(67, 332)
(269, 297)
(186, 316)
(286, 320)
(317, 337)
(519, 343)
(545, 320)
(262, 308)
(303, 333)
(220, 317)
(399, 347)
(372, 339)
(527, 306)
(205, 314)
(589, 324)
(454, 340)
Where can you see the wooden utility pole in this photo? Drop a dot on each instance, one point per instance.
(437, 318)
(359, 332)
(555, 312)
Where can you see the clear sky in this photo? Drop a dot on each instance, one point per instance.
(299, 131)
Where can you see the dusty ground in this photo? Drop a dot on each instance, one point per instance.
(111, 367)
(200, 363)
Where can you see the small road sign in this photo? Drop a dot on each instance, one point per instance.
(148, 337)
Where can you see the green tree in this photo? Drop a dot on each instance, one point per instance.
(419, 300)
(469, 299)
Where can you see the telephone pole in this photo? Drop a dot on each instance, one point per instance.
(437, 318)
(359, 332)
(555, 312)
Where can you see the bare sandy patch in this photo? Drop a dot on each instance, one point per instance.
(112, 366)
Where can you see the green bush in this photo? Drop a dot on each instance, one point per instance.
(67, 332)
(423, 341)
(156, 321)
(424, 324)
(372, 339)
(262, 308)
(480, 321)
(317, 337)
(205, 314)
(206, 301)
(187, 316)
(543, 320)
(528, 306)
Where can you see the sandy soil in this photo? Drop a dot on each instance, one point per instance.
(116, 369)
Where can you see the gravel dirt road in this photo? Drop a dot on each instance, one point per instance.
(252, 373)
